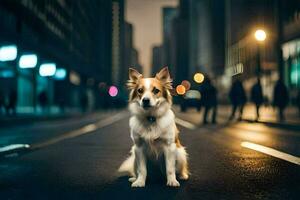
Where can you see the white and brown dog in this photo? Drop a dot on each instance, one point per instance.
(153, 129)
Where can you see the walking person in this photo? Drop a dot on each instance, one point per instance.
(257, 96)
(298, 102)
(1, 102)
(11, 103)
(43, 101)
(209, 100)
(280, 98)
(83, 102)
(237, 96)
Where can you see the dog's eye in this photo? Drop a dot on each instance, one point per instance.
(155, 91)
(140, 90)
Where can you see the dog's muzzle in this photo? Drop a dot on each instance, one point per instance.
(146, 103)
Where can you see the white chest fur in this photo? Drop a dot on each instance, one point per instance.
(162, 128)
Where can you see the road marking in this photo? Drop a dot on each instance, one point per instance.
(185, 124)
(84, 130)
(13, 147)
(272, 152)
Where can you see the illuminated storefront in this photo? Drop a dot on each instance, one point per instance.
(291, 55)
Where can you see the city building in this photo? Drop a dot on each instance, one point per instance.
(118, 41)
(79, 39)
(194, 38)
(157, 59)
(179, 44)
(169, 14)
(131, 56)
(207, 37)
(246, 56)
(291, 44)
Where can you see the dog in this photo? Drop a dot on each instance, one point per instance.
(153, 129)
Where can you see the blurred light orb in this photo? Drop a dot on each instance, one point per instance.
(8, 53)
(60, 74)
(47, 69)
(186, 84)
(113, 91)
(180, 89)
(260, 35)
(28, 61)
(198, 77)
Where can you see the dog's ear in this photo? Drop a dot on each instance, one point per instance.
(164, 76)
(134, 76)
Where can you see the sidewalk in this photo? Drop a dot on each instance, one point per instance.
(268, 115)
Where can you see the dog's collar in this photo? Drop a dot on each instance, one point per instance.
(151, 119)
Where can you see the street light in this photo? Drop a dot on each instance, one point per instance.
(28, 61)
(8, 53)
(180, 89)
(47, 69)
(198, 78)
(260, 36)
(113, 91)
(60, 74)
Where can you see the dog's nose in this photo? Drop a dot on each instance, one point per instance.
(146, 102)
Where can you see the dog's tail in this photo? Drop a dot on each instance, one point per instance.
(127, 167)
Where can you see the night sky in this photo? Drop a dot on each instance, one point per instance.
(146, 16)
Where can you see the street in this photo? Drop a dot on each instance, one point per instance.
(81, 162)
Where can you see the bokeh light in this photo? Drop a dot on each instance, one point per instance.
(186, 84)
(180, 89)
(113, 91)
(260, 35)
(198, 77)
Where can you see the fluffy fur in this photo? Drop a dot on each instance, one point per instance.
(150, 97)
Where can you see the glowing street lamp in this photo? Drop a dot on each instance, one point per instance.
(260, 35)
(113, 91)
(186, 84)
(198, 77)
(47, 69)
(28, 61)
(180, 89)
(60, 74)
(8, 53)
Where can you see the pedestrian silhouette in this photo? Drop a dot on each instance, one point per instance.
(298, 102)
(43, 101)
(257, 96)
(2, 105)
(208, 100)
(11, 103)
(61, 104)
(280, 98)
(83, 102)
(237, 96)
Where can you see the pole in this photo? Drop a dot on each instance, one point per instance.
(279, 26)
(258, 61)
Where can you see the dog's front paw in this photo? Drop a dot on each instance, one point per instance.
(173, 183)
(138, 183)
(184, 176)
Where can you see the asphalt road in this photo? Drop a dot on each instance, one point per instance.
(222, 163)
